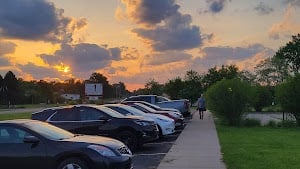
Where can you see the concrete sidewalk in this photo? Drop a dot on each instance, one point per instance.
(197, 147)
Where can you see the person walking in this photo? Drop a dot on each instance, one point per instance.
(201, 106)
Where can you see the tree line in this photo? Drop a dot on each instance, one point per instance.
(268, 75)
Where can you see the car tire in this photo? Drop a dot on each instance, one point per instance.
(129, 139)
(74, 163)
(160, 134)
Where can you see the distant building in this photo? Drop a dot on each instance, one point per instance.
(71, 96)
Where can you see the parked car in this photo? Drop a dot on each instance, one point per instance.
(98, 120)
(179, 120)
(35, 145)
(173, 112)
(176, 112)
(166, 125)
(182, 105)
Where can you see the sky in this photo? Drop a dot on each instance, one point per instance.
(135, 41)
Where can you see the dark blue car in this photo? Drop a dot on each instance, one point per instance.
(38, 145)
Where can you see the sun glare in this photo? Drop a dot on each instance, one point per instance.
(63, 68)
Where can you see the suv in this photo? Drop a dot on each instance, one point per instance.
(97, 120)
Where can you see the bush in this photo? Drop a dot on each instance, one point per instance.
(229, 98)
(262, 97)
(288, 95)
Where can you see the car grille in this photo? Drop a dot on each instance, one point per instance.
(124, 150)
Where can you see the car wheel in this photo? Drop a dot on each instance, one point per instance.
(129, 139)
(160, 134)
(72, 163)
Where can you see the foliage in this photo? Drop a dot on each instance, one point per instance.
(173, 87)
(271, 71)
(262, 97)
(10, 88)
(153, 87)
(260, 147)
(288, 95)
(229, 99)
(214, 75)
(192, 86)
(290, 54)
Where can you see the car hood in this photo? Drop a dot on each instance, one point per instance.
(105, 141)
(156, 116)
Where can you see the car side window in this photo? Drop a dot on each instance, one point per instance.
(65, 115)
(87, 113)
(122, 111)
(12, 135)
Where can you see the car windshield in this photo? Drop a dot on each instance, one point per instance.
(49, 131)
(133, 110)
(145, 107)
(110, 112)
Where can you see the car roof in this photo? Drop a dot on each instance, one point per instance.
(17, 121)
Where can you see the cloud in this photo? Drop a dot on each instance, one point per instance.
(35, 20)
(263, 9)
(292, 2)
(216, 56)
(167, 28)
(7, 47)
(4, 61)
(149, 12)
(166, 58)
(287, 26)
(84, 58)
(214, 6)
(40, 72)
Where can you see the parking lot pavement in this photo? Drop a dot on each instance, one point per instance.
(151, 154)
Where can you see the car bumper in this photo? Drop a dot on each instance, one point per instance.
(179, 123)
(168, 128)
(122, 162)
(149, 135)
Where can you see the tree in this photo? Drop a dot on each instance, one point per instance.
(153, 87)
(1, 89)
(10, 87)
(288, 95)
(229, 99)
(290, 54)
(262, 97)
(173, 87)
(214, 75)
(192, 88)
(271, 71)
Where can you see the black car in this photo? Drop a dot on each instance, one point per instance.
(98, 120)
(37, 145)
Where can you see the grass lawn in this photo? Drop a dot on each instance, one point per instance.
(15, 116)
(260, 147)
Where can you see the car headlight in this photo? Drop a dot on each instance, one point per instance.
(142, 123)
(104, 151)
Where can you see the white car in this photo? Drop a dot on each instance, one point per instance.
(166, 125)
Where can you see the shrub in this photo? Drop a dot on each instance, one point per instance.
(288, 95)
(262, 97)
(229, 98)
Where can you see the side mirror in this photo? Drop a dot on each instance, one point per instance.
(104, 118)
(31, 139)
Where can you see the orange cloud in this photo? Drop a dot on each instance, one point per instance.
(287, 27)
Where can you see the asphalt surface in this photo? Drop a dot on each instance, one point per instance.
(151, 154)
